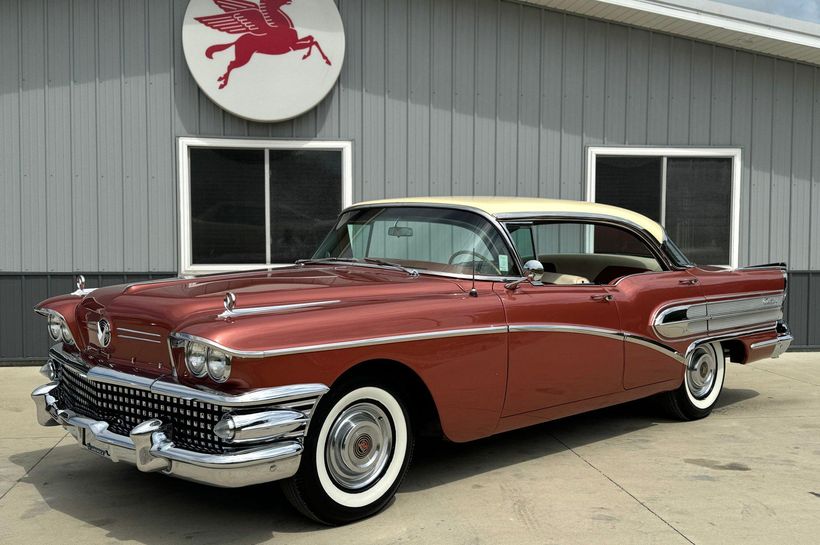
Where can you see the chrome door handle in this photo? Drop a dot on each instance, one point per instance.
(605, 298)
(688, 282)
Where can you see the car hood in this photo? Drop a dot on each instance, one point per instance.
(142, 316)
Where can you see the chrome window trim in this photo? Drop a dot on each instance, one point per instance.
(323, 347)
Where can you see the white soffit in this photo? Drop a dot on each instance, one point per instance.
(708, 21)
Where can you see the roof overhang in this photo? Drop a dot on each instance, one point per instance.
(708, 21)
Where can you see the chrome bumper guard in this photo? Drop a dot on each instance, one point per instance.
(150, 446)
(781, 344)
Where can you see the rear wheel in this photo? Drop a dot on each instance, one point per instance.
(356, 454)
(702, 384)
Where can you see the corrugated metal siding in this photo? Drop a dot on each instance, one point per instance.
(803, 308)
(439, 96)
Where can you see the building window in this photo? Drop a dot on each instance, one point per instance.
(246, 204)
(693, 192)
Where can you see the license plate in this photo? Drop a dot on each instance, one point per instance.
(94, 446)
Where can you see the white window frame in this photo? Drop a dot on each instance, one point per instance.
(186, 266)
(735, 154)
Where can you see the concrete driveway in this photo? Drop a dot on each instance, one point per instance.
(750, 473)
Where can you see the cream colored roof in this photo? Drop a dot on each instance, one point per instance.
(500, 206)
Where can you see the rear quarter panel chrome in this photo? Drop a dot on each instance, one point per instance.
(741, 305)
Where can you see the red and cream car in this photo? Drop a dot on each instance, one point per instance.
(469, 316)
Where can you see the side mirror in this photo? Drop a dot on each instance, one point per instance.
(533, 271)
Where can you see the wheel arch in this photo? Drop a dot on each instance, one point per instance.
(416, 393)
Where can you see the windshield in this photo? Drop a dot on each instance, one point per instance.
(426, 239)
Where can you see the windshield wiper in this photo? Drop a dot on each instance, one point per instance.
(353, 261)
(412, 272)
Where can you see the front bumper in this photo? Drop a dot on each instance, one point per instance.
(150, 444)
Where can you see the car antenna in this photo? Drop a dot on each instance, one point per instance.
(473, 291)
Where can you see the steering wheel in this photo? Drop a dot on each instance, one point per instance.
(475, 255)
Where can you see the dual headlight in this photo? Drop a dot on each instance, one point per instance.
(201, 360)
(58, 329)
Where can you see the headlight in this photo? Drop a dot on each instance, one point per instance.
(219, 365)
(196, 355)
(55, 327)
(65, 333)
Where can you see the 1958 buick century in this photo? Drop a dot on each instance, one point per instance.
(471, 316)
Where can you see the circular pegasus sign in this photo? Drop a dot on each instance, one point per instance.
(264, 60)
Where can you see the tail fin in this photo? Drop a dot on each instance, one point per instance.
(216, 49)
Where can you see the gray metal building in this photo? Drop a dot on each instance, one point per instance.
(436, 97)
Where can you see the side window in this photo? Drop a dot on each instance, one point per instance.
(523, 239)
(582, 253)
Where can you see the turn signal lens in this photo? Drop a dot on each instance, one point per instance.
(55, 327)
(219, 365)
(196, 355)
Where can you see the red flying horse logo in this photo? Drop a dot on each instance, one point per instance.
(265, 29)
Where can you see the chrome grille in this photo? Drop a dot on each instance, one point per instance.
(123, 408)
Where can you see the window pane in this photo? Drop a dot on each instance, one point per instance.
(630, 182)
(698, 207)
(597, 253)
(227, 206)
(305, 198)
(433, 239)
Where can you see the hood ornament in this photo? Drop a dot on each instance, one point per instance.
(230, 304)
(230, 301)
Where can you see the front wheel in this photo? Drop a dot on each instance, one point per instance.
(356, 454)
(702, 384)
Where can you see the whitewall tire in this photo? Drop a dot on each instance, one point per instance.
(702, 383)
(356, 454)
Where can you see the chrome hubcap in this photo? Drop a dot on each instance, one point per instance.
(701, 373)
(359, 445)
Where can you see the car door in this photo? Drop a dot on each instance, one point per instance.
(564, 345)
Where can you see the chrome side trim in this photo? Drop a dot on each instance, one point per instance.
(139, 339)
(601, 332)
(372, 341)
(654, 345)
(138, 332)
(261, 396)
(563, 328)
(250, 311)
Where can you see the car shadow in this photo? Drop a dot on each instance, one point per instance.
(439, 462)
(154, 509)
